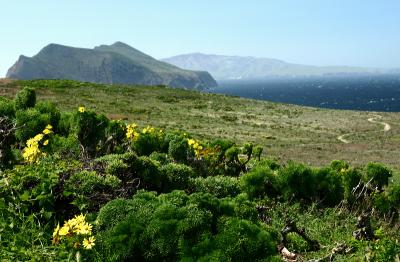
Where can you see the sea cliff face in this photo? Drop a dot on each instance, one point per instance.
(114, 64)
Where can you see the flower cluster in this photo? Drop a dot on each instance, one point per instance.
(75, 229)
(81, 109)
(131, 132)
(31, 152)
(195, 145)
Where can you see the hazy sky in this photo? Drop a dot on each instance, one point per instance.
(317, 32)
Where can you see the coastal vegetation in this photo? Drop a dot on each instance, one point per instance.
(77, 185)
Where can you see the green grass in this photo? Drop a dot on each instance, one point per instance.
(285, 131)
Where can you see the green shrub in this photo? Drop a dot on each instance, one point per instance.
(328, 189)
(378, 174)
(259, 182)
(29, 123)
(297, 182)
(25, 98)
(149, 173)
(90, 130)
(30, 188)
(219, 186)
(50, 109)
(176, 226)
(90, 190)
(339, 165)
(64, 125)
(7, 108)
(115, 137)
(7, 139)
(162, 158)
(176, 176)
(64, 147)
(148, 142)
(241, 240)
(350, 179)
(179, 149)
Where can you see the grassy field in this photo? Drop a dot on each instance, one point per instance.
(287, 132)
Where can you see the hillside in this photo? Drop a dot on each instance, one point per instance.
(78, 185)
(287, 132)
(114, 64)
(223, 67)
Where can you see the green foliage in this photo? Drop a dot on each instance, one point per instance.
(65, 147)
(30, 188)
(30, 123)
(328, 189)
(179, 149)
(297, 182)
(90, 130)
(259, 182)
(148, 142)
(378, 174)
(115, 137)
(351, 178)
(176, 226)
(176, 176)
(7, 108)
(90, 190)
(51, 110)
(64, 125)
(25, 98)
(149, 173)
(219, 186)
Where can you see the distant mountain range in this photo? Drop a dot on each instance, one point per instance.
(237, 67)
(109, 64)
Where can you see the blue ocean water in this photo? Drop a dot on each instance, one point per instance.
(361, 92)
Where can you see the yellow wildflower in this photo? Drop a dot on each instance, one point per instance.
(88, 243)
(47, 131)
(81, 109)
(49, 127)
(64, 230)
(56, 230)
(45, 143)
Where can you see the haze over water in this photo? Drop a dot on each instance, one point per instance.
(369, 93)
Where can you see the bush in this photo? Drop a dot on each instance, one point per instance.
(297, 182)
(350, 179)
(328, 186)
(64, 125)
(115, 137)
(149, 173)
(50, 109)
(219, 186)
(259, 182)
(7, 108)
(30, 123)
(90, 190)
(90, 130)
(64, 147)
(162, 158)
(179, 149)
(25, 98)
(378, 174)
(176, 176)
(176, 226)
(150, 140)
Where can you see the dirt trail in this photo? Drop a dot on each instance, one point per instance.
(386, 127)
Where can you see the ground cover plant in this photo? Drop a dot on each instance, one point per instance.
(78, 186)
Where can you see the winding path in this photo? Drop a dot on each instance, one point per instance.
(386, 127)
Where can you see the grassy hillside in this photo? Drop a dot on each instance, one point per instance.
(285, 131)
(77, 186)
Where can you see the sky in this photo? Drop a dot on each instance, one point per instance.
(315, 32)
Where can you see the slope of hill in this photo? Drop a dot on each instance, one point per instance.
(114, 64)
(287, 132)
(236, 67)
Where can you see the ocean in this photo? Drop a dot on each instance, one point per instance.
(361, 92)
